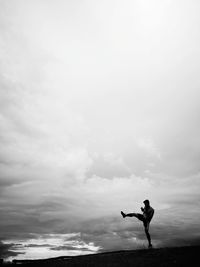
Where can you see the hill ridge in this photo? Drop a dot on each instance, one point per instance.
(155, 257)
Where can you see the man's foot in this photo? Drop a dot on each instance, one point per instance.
(123, 214)
(150, 246)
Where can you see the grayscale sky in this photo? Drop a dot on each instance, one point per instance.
(99, 110)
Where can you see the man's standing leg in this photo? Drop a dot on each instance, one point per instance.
(146, 228)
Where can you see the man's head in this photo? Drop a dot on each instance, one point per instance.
(146, 202)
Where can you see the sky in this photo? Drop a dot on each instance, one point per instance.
(99, 110)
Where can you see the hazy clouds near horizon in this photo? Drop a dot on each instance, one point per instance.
(99, 109)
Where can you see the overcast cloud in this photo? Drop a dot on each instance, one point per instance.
(99, 110)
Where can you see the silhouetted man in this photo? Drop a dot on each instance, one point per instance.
(146, 217)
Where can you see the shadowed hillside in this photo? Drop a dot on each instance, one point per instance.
(178, 256)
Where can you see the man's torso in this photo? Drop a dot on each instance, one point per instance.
(148, 213)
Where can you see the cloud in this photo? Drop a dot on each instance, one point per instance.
(109, 165)
(48, 244)
(71, 248)
(149, 146)
(6, 250)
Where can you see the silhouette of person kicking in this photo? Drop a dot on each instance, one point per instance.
(146, 217)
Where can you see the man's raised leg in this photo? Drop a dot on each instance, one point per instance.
(137, 215)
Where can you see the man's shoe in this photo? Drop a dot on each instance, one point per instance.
(123, 214)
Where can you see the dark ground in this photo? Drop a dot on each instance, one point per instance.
(162, 257)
